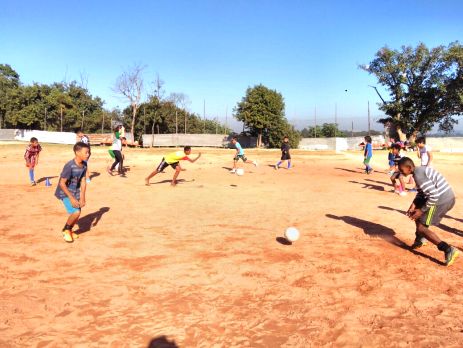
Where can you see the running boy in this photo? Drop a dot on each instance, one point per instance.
(434, 199)
(424, 152)
(172, 159)
(285, 156)
(394, 157)
(116, 148)
(367, 154)
(32, 158)
(71, 188)
(239, 154)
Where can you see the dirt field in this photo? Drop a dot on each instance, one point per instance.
(203, 263)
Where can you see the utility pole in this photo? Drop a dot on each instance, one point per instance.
(204, 115)
(369, 121)
(45, 123)
(82, 126)
(61, 117)
(352, 129)
(216, 124)
(176, 123)
(226, 118)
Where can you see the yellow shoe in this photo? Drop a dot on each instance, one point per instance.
(451, 255)
(67, 236)
(75, 235)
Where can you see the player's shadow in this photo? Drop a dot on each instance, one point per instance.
(376, 230)
(90, 220)
(227, 168)
(349, 170)
(45, 178)
(179, 181)
(441, 225)
(451, 217)
(162, 342)
(379, 182)
(368, 186)
(283, 241)
(94, 175)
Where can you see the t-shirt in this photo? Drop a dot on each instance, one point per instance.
(32, 151)
(74, 174)
(432, 186)
(174, 157)
(394, 159)
(368, 150)
(117, 143)
(239, 148)
(85, 140)
(285, 148)
(424, 155)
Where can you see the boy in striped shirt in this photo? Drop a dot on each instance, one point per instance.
(434, 199)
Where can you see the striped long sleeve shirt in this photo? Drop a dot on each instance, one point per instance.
(432, 186)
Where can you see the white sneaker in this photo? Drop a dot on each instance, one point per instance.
(255, 163)
(233, 171)
(403, 193)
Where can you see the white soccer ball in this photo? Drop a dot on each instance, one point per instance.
(240, 171)
(292, 234)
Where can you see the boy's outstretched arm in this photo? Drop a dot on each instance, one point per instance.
(194, 160)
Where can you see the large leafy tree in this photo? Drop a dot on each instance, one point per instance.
(9, 84)
(262, 112)
(417, 80)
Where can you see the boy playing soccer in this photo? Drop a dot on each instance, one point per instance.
(71, 188)
(394, 157)
(32, 158)
(434, 199)
(239, 154)
(285, 156)
(367, 154)
(172, 159)
(424, 152)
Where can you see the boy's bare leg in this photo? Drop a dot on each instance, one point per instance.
(177, 172)
(147, 179)
(427, 233)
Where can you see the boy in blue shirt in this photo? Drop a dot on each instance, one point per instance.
(71, 187)
(239, 154)
(367, 154)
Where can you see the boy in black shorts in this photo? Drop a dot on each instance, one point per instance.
(434, 199)
(285, 156)
(172, 159)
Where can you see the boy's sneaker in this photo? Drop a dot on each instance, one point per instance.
(418, 243)
(67, 236)
(276, 167)
(403, 193)
(33, 183)
(255, 163)
(233, 171)
(88, 180)
(451, 255)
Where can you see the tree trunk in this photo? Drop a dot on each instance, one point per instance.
(402, 135)
(413, 137)
(134, 114)
(152, 135)
(259, 138)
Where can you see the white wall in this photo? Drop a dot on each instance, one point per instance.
(46, 137)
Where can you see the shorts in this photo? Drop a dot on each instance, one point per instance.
(237, 158)
(392, 164)
(163, 165)
(69, 208)
(31, 161)
(111, 153)
(366, 161)
(434, 215)
(285, 156)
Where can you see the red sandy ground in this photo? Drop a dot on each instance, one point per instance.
(201, 264)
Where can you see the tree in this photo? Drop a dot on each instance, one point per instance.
(130, 86)
(417, 80)
(9, 82)
(259, 109)
(454, 60)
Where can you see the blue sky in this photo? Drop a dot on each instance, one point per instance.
(213, 50)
